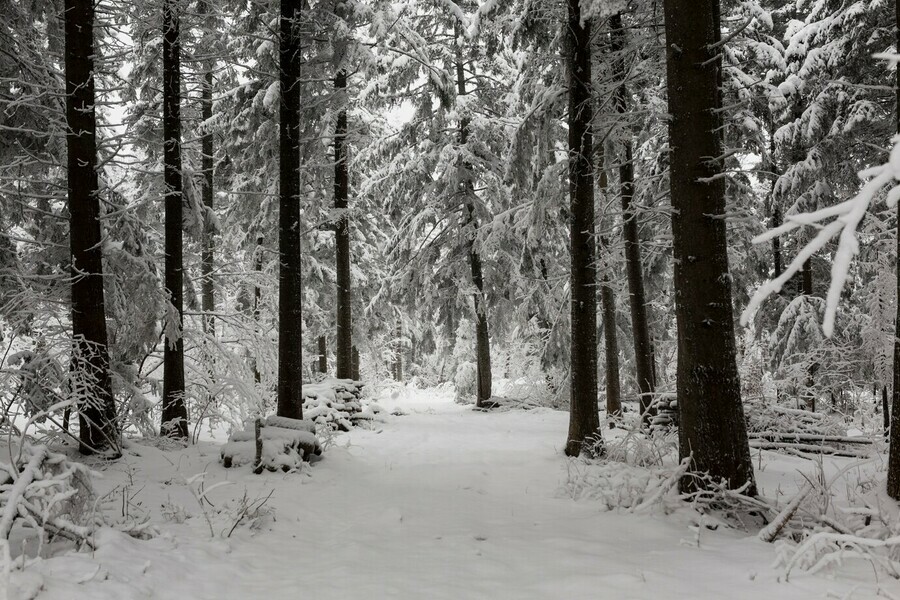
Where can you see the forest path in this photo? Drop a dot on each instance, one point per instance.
(441, 503)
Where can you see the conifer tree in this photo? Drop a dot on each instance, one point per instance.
(290, 340)
(174, 409)
(584, 420)
(96, 408)
(712, 429)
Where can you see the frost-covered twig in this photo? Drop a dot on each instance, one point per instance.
(847, 217)
(862, 545)
(15, 495)
(667, 485)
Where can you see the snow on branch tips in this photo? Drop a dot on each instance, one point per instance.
(847, 217)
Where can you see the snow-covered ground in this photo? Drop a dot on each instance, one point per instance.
(442, 502)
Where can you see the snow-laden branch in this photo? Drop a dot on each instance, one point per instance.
(847, 217)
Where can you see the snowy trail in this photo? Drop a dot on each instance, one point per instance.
(442, 503)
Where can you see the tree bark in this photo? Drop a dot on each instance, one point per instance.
(482, 335)
(207, 289)
(174, 410)
(584, 420)
(893, 477)
(257, 296)
(712, 428)
(344, 341)
(398, 354)
(354, 373)
(290, 314)
(608, 309)
(323, 354)
(643, 353)
(98, 431)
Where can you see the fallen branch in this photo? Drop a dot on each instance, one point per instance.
(771, 531)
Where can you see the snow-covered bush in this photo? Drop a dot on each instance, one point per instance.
(45, 491)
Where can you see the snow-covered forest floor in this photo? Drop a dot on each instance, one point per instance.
(434, 501)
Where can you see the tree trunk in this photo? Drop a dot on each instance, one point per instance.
(174, 410)
(584, 420)
(95, 405)
(893, 477)
(207, 290)
(398, 355)
(290, 314)
(344, 342)
(807, 280)
(323, 355)
(712, 428)
(886, 413)
(611, 345)
(778, 268)
(482, 336)
(643, 353)
(608, 309)
(257, 296)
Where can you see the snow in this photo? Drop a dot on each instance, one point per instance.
(441, 502)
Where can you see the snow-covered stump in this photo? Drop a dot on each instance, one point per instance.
(284, 446)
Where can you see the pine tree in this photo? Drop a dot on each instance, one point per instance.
(96, 408)
(637, 300)
(290, 336)
(174, 410)
(584, 420)
(712, 428)
(893, 477)
(344, 317)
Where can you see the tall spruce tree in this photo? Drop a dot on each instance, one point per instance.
(96, 408)
(893, 478)
(344, 317)
(584, 419)
(712, 429)
(174, 409)
(290, 333)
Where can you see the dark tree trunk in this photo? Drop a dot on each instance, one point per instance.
(482, 336)
(608, 310)
(807, 280)
(643, 353)
(207, 290)
(584, 420)
(611, 346)
(323, 354)
(344, 342)
(886, 413)
(95, 405)
(893, 478)
(776, 241)
(712, 427)
(257, 296)
(398, 355)
(174, 409)
(290, 314)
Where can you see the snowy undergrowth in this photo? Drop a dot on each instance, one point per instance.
(438, 500)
